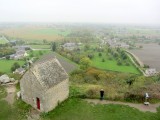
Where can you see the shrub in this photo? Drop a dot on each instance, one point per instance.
(100, 54)
(127, 64)
(91, 93)
(15, 66)
(103, 60)
(89, 79)
(110, 58)
(119, 62)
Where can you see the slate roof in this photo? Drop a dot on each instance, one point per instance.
(48, 71)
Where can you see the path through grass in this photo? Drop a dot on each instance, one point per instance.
(76, 109)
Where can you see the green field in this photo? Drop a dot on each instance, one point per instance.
(50, 31)
(38, 53)
(40, 46)
(5, 65)
(77, 109)
(112, 65)
(3, 40)
(38, 34)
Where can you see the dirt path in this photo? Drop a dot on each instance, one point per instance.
(141, 107)
(33, 115)
(11, 89)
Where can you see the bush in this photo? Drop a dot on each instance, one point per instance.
(100, 54)
(103, 60)
(110, 58)
(15, 76)
(119, 62)
(7, 57)
(15, 66)
(89, 79)
(127, 64)
(91, 93)
(75, 92)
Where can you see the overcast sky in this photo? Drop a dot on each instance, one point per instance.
(105, 11)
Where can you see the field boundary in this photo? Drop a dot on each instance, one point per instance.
(135, 62)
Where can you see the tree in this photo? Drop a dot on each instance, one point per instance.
(85, 63)
(40, 53)
(86, 47)
(44, 41)
(130, 80)
(119, 62)
(15, 66)
(100, 54)
(90, 56)
(103, 60)
(54, 46)
(7, 57)
(115, 55)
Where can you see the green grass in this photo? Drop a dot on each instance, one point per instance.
(5, 65)
(38, 53)
(16, 112)
(3, 41)
(112, 65)
(76, 109)
(3, 92)
(40, 46)
(50, 31)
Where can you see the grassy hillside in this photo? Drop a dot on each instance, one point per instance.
(112, 64)
(76, 109)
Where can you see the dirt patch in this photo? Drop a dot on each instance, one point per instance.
(141, 107)
(11, 89)
(33, 115)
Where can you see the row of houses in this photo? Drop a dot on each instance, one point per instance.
(71, 45)
(114, 44)
(20, 52)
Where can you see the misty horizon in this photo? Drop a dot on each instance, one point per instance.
(60, 11)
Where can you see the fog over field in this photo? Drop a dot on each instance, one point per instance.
(91, 11)
(149, 54)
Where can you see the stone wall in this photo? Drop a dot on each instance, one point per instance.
(49, 98)
(56, 95)
(30, 89)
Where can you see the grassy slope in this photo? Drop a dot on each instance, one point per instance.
(76, 109)
(112, 65)
(5, 65)
(3, 41)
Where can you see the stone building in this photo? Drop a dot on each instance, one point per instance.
(45, 84)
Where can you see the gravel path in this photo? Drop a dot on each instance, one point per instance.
(141, 107)
(11, 89)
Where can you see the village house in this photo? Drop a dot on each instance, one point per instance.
(45, 84)
(20, 71)
(71, 46)
(114, 44)
(20, 52)
(150, 72)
